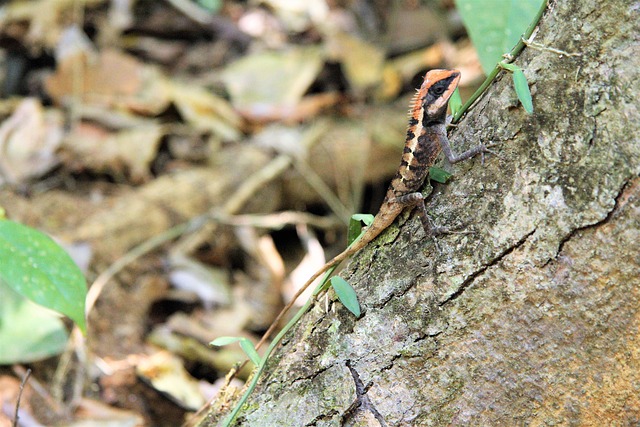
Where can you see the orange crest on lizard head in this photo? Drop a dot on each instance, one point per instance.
(434, 94)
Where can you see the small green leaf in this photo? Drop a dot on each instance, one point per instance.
(346, 294)
(355, 226)
(222, 341)
(366, 218)
(246, 345)
(510, 67)
(250, 351)
(522, 90)
(37, 268)
(455, 102)
(439, 175)
(28, 332)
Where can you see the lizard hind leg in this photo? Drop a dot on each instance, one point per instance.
(416, 200)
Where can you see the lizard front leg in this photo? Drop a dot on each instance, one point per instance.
(455, 158)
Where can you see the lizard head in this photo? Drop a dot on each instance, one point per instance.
(434, 94)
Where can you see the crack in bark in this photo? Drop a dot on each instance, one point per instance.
(317, 322)
(313, 375)
(362, 401)
(323, 417)
(396, 293)
(596, 224)
(469, 280)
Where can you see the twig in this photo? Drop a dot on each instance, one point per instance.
(96, 288)
(75, 345)
(40, 390)
(271, 221)
(277, 221)
(255, 182)
(25, 377)
(323, 190)
(535, 45)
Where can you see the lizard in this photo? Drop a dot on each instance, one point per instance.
(426, 137)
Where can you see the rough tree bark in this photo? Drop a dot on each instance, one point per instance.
(533, 318)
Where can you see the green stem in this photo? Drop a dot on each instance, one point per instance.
(510, 57)
(263, 363)
(324, 285)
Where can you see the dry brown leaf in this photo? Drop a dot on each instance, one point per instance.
(166, 373)
(308, 107)
(46, 18)
(209, 283)
(92, 413)
(204, 110)
(111, 78)
(272, 80)
(127, 152)
(362, 62)
(411, 26)
(29, 139)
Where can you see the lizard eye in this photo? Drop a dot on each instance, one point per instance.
(438, 90)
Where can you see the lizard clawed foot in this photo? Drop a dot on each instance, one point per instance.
(439, 231)
(486, 149)
(435, 232)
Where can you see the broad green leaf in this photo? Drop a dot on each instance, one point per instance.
(28, 332)
(346, 294)
(39, 269)
(455, 102)
(439, 175)
(522, 90)
(250, 351)
(495, 26)
(355, 226)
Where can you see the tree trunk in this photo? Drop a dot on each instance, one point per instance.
(532, 319)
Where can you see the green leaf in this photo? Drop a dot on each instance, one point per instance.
(355, 226)
(39, 269)
(222, 341)
(522, 90)
(510, 67)
(28, 332)
(246, 345)
(495, 26)
(366, 218)
(455, 102)
(212, 6)
(250, 351)
(439, 175)
(346, 294)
